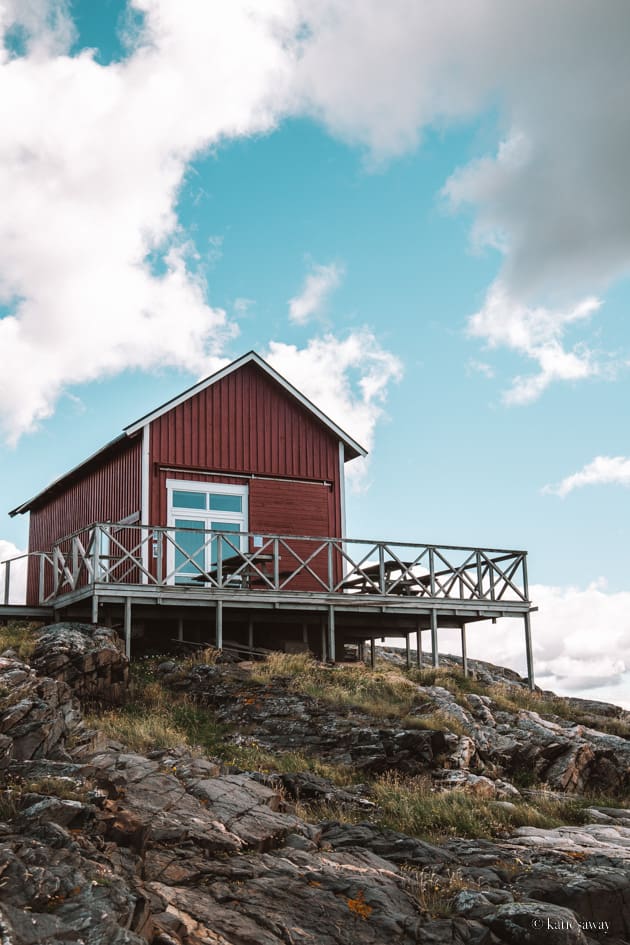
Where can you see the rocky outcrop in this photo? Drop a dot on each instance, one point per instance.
(91, 660)
(37, 716)
(473, 741)
(119, 848)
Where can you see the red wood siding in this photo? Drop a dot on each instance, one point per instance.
(247, 423)
(107, 492)
(293, 508)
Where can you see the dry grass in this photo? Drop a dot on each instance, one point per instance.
(413, 806)
(383, 694)
(19, 635)
(435, 892)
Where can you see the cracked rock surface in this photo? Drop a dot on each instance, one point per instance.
(177, 849)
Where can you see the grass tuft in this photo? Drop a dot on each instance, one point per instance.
(19, 635)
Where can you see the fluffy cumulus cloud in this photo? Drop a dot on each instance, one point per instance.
(92, 157)
(537, 333)
(581, 642)
(603, 470)
(551, 197)
(319, 283)
(346, 378)
(17, 572)
(91, 160)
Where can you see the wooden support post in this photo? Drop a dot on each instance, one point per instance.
(180, 629)
(323, 632)
(464, 654)
(407, 652)
(128, 627)
(530, 655)
(250, 635)
(331, 633)
(305, 633)
(95, 608)
(218, 638)
(435, 656)
(372, 652)
(419, 648)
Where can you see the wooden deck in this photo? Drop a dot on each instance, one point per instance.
(331, 592)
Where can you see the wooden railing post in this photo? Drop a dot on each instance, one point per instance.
(479, 575)
(276, 565)
(432, 571)
(331, 578)
(381, 569)
(41, 578)
(95, 553)
(219, 541)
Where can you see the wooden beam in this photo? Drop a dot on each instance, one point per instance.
(464, 654)
(419, 648)
(180, 628)
(407, 652)
(128, 627)
(323, 633)
(435, 656)
(530, 655)
(95, 608)
(372, 652)
(250, 633)
(218, 640)
(331, 633)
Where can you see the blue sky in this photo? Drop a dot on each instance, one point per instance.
(174, 189)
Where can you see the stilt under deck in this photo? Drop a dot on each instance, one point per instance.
(364, 591)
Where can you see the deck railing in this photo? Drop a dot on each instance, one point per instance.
(244, 561)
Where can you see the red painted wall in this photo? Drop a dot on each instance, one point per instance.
(108, 491)
(247, 423)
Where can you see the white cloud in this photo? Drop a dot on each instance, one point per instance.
(603, 470)
(346, 378)
(552, 196)
(17, 572)
(92, 158)
(581, 641)
(91, 161)
(318, 285)
(537, 333)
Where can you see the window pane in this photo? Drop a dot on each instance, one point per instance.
(189, 500)
(220, 502)
(227, 551)
(191, 543)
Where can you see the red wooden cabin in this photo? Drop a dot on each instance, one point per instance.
(241, 451)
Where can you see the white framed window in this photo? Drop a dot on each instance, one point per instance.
(194, 508)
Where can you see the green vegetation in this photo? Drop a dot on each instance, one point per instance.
(18, 635)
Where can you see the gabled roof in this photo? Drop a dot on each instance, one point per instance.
(352, 448)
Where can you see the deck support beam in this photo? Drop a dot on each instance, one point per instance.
(464, 653)
(180, 629)
(419, 648)
(94, 608)
(331, 633)
(250, 635)
(407, 652)
(128, 627)
(435, 656)
(323, 633)
(528, 649)
(218, 639)
(372, 652)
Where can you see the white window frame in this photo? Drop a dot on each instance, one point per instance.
(207, 514)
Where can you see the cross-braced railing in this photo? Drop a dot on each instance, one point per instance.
(214, 560)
